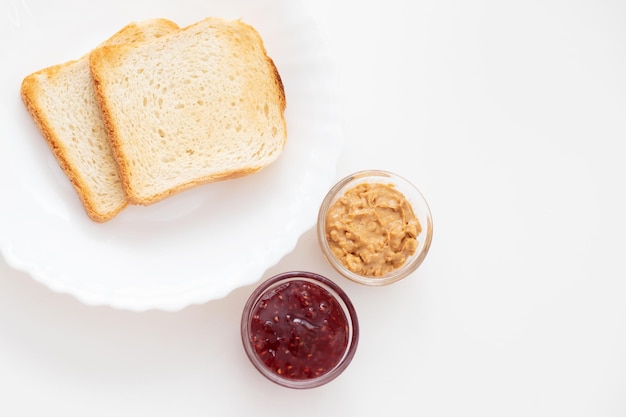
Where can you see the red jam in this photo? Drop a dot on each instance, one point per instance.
(299, 330)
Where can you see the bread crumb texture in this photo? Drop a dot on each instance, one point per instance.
(201, 104)
(63, 103)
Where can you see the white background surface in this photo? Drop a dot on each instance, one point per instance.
(510, 117)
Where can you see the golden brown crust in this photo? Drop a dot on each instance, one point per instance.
(32, 89)
(99, 57)
(143, 201)
(281, 90)
(133, 33)
(105, 58)
(29, 92)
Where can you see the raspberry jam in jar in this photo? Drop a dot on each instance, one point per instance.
(299, 329)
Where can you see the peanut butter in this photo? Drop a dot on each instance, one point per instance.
(372, 229)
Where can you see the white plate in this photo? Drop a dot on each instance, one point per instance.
(195, 246)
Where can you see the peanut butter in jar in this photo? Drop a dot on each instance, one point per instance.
(372, 229)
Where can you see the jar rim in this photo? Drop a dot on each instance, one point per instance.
(418, 203)
(336, 292)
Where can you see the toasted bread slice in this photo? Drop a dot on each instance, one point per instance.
(62, 101)
(202, 104)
